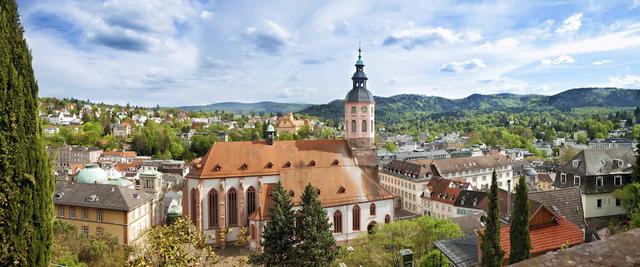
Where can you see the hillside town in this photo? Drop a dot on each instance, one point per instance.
(405, 169)
(364, 181)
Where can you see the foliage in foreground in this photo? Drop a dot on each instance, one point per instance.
(382, 247)
(72, 249)
(629, 195)
(178, 244)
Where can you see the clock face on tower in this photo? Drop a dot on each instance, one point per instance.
(364, 109)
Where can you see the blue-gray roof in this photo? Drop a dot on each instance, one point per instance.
(359, 94)
(461, 251)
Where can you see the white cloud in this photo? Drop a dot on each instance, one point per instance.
(270, 38)
(414, 37)
(602, 62)
(624, 81)
(469, 65)
(571, 24)
(564, 59)
(206, 14)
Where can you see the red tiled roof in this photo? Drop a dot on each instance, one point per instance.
(547, 238)
(263, 159)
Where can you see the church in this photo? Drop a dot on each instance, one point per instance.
(230, 187)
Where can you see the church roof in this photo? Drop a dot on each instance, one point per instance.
(338, 186)
(359, 94)
(257, 158)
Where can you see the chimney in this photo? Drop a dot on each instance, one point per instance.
(508, 197)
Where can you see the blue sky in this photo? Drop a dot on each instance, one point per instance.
(173, 52)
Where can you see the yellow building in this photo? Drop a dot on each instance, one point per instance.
(289, 124)
(100, 208)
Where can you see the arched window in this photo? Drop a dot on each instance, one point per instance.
(337, 222)
(353, 110)
(194, 205)
(251, 201)
(356, 218)
(387, 219)
(372, 209)
(213, 208)
(364, 126)
(253, 231)
(232, 200)
(353, 126)
(372, 126)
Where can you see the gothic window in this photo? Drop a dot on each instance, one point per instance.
(213, 208)
(372, 126)
(253, 231)
(232, 200)
(353, 110)
(337, 222)
(356, 218)
(251, 201)
(194, 205)
(353, 126)
(364, 126)
(372, 209)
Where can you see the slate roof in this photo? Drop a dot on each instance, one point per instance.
(453, 165)
(566, 201)
(595, 163)
(359, 94)
(600, 162)
(461, 251)
(99, 196)
(412, 169)
(468, 224)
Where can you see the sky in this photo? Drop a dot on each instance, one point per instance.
(175, 53)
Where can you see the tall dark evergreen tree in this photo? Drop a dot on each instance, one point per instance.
(519, 233)
(636, 171)
(491, 251)
(26, 180)
(279, 234)
(317, 247)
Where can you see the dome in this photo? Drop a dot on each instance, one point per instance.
(359, 94)
(92, 174)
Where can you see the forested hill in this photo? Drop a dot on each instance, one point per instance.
(389, 107)
(260, 107)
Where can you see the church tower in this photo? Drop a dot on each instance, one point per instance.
(359, 119)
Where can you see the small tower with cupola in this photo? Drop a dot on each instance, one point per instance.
(359, 110)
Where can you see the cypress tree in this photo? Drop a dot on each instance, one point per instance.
(636, 171)
(26, 180)
(519, 233)
(491, 251)
(317, 247)
(279, 233)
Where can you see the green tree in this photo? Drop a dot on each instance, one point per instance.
(629, 196)
(26, 180)
(490, 248)
(391, 146)
(434, 259)
(519, 232)
(636, 170)
(316, 247)
(279, 234)
(382, 247)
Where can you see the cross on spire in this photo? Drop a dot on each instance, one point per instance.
(359, 50)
